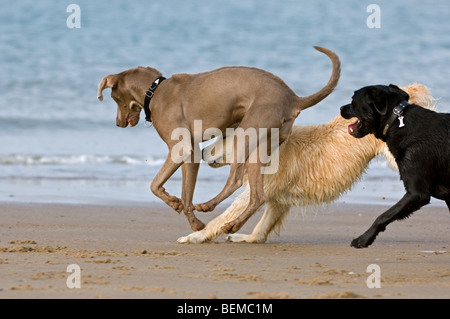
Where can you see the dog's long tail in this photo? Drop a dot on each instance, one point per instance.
(308, 101)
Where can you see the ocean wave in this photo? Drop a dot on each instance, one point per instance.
(51, 122)
(30, 159)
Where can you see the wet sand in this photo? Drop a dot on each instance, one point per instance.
(131, 252)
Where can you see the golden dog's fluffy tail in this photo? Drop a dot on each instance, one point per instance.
(419, 94)
(308, 101)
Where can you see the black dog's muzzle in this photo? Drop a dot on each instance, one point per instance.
(347, 112)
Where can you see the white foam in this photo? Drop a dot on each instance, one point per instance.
(32, 159)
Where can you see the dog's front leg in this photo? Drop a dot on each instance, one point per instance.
(161, 178)
(273, 217)
(405, 207)
(214, 227)
(190, 172)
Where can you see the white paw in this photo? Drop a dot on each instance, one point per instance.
(183, 240)
(194, 238)
(243, 238)
(238, 238)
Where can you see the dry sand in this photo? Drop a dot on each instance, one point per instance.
(131, 252)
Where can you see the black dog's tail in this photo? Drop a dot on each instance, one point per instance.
(308, 101)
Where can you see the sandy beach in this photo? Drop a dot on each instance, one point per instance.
(131, 252)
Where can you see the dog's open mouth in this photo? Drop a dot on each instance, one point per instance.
(352, 127)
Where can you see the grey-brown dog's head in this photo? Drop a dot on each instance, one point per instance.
(372, 106)
(128, 90)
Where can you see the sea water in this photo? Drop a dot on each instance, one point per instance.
(58, 143)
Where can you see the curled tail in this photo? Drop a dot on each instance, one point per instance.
(308, 101)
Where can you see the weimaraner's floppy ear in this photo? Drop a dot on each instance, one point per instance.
(107, 82)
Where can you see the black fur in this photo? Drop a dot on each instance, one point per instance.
(421, 149)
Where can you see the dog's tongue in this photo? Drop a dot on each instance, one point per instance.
(352, 127)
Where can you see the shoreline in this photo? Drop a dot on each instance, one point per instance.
(131, 252)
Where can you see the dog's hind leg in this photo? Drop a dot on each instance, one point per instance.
(190, 172)
(244, 153)
(410, 203)
(255, 180)
(234, 181)
(259, 154)
(273, 217)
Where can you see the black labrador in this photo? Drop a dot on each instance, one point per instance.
(418, 138)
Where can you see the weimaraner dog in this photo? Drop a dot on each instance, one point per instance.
(229, 97)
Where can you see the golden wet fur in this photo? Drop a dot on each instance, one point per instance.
(317, 165)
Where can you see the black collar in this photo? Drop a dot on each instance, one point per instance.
(148, 96)
(396, 113)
